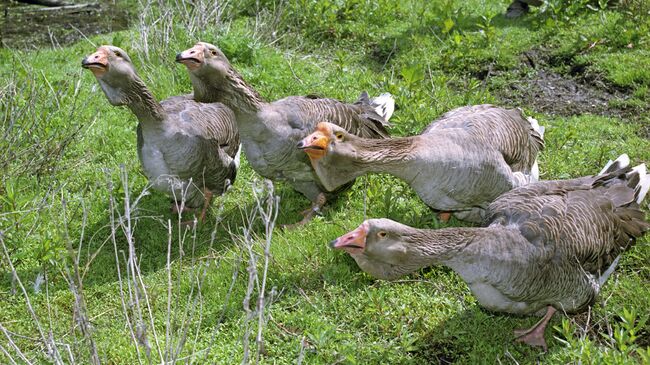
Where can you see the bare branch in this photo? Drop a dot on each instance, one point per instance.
(50, 347)
(76, 287)
(13, 345)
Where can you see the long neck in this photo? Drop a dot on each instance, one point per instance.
(138, 98)
(421, 248)
(232, 90)
(396, 156)
(143, 104)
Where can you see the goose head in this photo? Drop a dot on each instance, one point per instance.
(379, 245)
(113, 70)
(332, 151)
(388, 250)
(205, 62)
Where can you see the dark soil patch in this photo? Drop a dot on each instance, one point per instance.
(539, 86)
(31, 26)
(645, 131)
(436, 353)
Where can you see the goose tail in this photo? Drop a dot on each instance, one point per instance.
(384, 105)
(643, 184)
(237, 159)
(621, 162)
(534, 170)
(535, 124)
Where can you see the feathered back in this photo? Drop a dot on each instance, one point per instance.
(588, 220)
(517, 138)
(214, 122)
(360, 118)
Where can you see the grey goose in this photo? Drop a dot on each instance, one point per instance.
(270, 130)
(547, 246)
(187, 149)
(460, 163)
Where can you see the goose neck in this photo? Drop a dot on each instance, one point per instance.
(421, 248)
(396, 156)
(142, 103)
(231, 90)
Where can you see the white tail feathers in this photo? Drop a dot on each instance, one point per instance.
(535, 124)
(640, 169)
(643, 186)
(384, 105)
(237, 158)
(622, 161)
(534, 172)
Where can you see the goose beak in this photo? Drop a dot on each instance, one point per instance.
(192, 58)
(315, 144)
(353, 242)
(97, 62)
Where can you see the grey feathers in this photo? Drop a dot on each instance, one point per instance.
(518, 139)
(550, 243)
(270, 131)
(186, 148)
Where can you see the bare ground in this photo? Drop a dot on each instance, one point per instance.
(32, 26)
(537, 85)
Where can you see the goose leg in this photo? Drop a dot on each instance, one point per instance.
(534, 336)
(206, 204)
(309, 213)
(444, 217)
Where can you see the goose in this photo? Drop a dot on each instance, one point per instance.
(460, 163)
(186, 148)
(270, 131)
(548, 246)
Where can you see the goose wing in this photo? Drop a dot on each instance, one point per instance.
(587, 221)
(214, 123)
(203, 142)
(360, 118)
(519, 139)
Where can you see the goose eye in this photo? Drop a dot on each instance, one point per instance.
(339, 136)
(214, 52)
(118, 54)
(382, 234)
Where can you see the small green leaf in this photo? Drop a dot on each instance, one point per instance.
(447, 25)
(457, 38)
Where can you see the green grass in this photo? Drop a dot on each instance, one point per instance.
(66, 147)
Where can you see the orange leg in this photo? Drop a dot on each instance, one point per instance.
(206, 204)
(444, 217)
(534, 336)
(309, 213)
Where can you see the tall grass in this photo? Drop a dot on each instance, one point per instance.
(183, 296)
(164, 23)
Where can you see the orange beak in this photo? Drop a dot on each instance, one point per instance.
(192, 58)
(353, 242)
(315, 144)
(97, 62)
